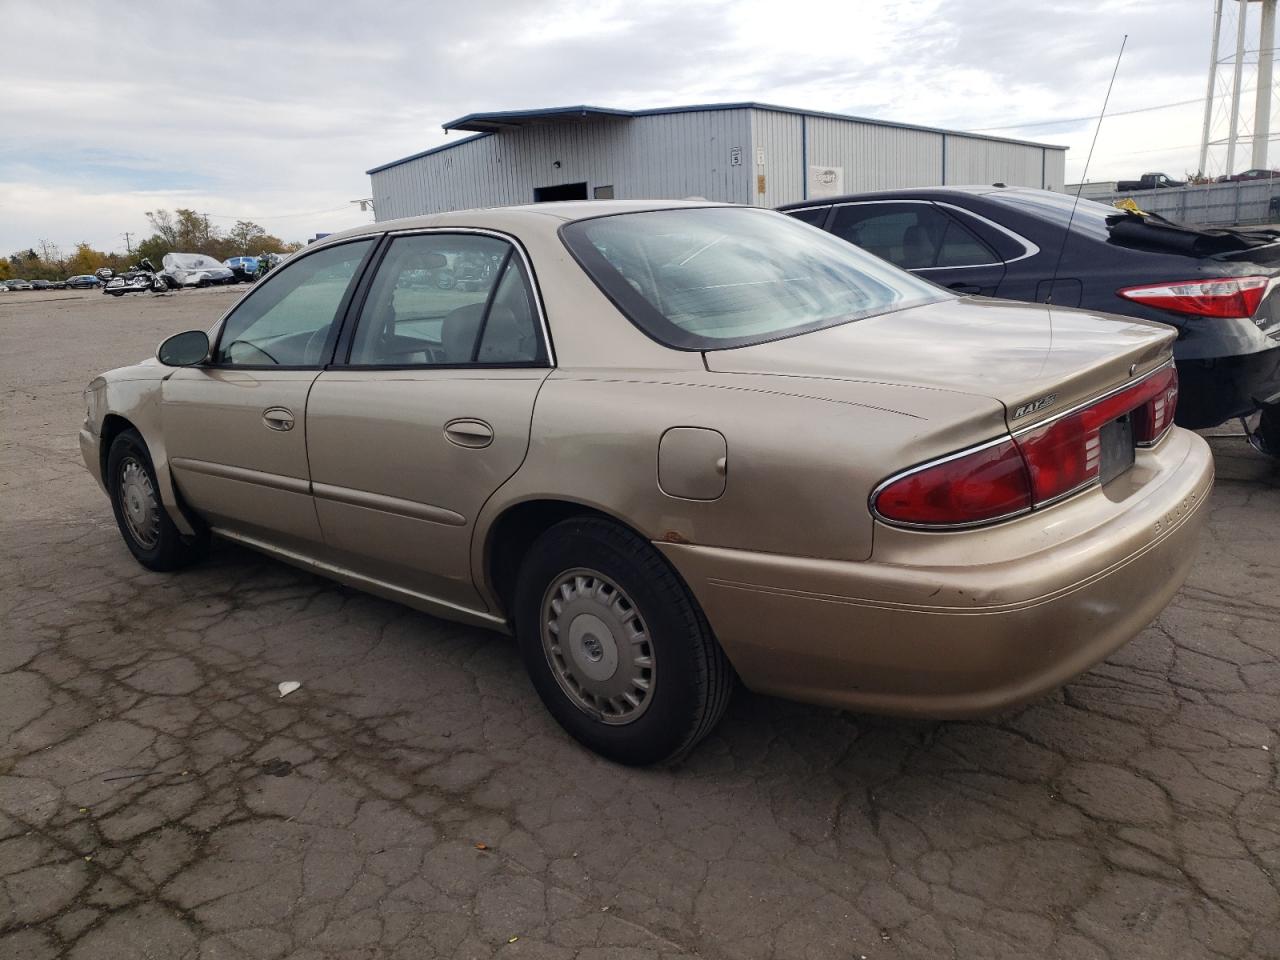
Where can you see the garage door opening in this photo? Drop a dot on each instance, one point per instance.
(565, 191)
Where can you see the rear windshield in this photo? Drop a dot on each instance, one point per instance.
(1089, 216)
(710, 278)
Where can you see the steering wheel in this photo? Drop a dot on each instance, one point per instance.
(253, 346)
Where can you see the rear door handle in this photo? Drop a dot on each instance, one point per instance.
(964, 287)
(466, 432)
(278, 418)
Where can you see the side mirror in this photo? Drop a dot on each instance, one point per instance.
(184, 349)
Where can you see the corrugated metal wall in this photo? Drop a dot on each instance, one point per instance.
(714, 154)
(666, 155)
(972, 160)
(874, 157)
(775, 140)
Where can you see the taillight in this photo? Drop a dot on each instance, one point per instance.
(1225, 297)
(1031, 469)
(986, 484)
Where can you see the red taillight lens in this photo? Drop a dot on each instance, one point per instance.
(1031, 469)
(976, 487)
(1225, 297)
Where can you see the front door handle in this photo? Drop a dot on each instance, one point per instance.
(961, 287)
(466, 432)
(278, 418)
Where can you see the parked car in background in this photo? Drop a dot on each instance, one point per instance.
(245, 268)
(1149, 181)
(48, 284)
(1248, 175)
(1217, 287)
(734, 446)
(194, 270)
(83, 281)
(17, 284)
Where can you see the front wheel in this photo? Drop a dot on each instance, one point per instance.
(146, 528)
(615, 644)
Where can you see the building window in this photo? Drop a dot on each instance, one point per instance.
(604, 193)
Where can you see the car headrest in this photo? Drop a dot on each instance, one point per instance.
(458, 332)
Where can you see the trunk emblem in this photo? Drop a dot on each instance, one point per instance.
(1035, 405)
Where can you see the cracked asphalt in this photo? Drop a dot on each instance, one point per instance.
(412, 799)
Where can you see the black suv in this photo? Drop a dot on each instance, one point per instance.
(1217, 287)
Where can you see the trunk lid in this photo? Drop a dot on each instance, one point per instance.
(1035, 360)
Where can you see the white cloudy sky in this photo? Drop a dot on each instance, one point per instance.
(272, 111)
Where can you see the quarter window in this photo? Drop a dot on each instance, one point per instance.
(448, 300)
(914, 236)
(289, 320)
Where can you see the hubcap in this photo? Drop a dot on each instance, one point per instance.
(139, 503)
(598, 646)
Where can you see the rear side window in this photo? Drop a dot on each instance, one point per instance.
(448, 299)
(709, 278)
(915, 236)
(814, 216)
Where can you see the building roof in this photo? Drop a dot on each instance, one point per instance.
(483, 124)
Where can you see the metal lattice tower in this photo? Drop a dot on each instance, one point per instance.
(1225, 130)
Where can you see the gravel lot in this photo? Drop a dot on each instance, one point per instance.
(412, 799)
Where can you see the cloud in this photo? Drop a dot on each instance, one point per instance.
(273, 111)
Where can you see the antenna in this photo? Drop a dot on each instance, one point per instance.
(1053, 282)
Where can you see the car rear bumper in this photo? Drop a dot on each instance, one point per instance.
(1213, 391)
(962, 638)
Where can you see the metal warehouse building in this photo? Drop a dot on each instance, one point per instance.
(750, 153)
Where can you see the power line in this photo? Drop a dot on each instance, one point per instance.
(1114, 113)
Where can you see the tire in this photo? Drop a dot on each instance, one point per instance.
(116, 293)
(146, 528)
(625, 590)
(1269, 431)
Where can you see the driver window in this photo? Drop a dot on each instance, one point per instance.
(289, 320)
(446, 300)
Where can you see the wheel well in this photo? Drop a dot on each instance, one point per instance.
(112, 426)
(514, 532)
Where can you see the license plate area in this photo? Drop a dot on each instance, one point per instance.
(1116, 448)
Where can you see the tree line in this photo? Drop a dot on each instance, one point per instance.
(179, 231)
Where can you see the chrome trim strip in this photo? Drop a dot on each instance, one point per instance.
(385, 504)
(524, 258)
(225, 471)
(1090, 402)
(345, 574)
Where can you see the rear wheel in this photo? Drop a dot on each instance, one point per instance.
(616, 646)
(144, 524)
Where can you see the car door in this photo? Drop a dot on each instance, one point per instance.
(428, 411)
(920, 236)
(234, 428)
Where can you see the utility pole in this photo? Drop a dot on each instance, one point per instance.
(128, 245)
(1262, 103)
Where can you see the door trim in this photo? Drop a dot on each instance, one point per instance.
(385, 504)
(225, 471)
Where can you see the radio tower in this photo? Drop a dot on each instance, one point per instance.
(1227, 76)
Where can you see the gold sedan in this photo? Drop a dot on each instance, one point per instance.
(668, 445)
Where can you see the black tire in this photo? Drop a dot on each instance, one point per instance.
(691, 678)
(165, 548)
(1269, 431)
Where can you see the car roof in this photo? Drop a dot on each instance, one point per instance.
(910, 193)
(529, 216)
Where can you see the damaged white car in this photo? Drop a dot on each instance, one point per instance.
(194, 270)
